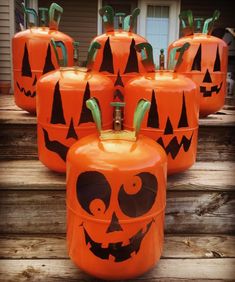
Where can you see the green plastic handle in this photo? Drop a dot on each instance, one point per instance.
(93, 106)
(186, 18)
(146, 51)
(209, 23)
(43, 15)
(92, 51)
(60, 44)
(54, 24)
(130, 20)
(174, 64)
(75, 52)
(107, 14)
(142, 107)
(28, 12)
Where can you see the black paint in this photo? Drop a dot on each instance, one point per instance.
(86, 115)
(48, 66)
(116, 250)
(118, 95)
(114, 224)
(55, 146)
(214, 89)
(183, 122)
(132, 63)
(35, 81)
(57, 114)
(217, 61)
(26, 69)
(71, 132)
(118, 80)
(107, 61)
(168, 128)
(26, 93)
(134, 205)
(153, 118)
(174, 146)
(197, 60)
(207, 77)
(92, 185)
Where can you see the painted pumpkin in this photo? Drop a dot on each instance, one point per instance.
(172, 120)
(61, 112)
(115, 204)
(205, 62)
(33, 57)
(117, 56)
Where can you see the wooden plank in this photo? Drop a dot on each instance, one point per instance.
(175, 246)
(166, 270)
(186, 212)
(203, 176)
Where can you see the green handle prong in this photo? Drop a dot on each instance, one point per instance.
(43, 15)
(186, 18)
(93, 106)
(54, 24)
(75, 52)
(142, 107)
(130, 20)
(92, 51)
(31, 11)
(107, 15)
(146, 51)
(209, 23)
(60, 44)
(173, 63)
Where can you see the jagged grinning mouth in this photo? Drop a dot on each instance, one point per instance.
(26, 93)
(116, 250)
(214, 89)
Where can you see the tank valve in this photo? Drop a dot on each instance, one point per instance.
(117, 117)
(161, 59)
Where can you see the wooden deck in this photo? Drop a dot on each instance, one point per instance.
(200, 214)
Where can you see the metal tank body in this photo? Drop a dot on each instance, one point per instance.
(116, 194)
(205, 62)
(33, 56)
(61, 112)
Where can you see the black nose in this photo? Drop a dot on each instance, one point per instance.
(207, 77)
(114, 224)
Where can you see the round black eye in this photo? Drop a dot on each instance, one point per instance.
(93, 192)
(137, 196)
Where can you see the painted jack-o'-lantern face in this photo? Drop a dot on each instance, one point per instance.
(172, 120)
(63, 117)
(205, 62)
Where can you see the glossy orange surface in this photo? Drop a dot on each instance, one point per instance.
(205, 62)
(33, 56)
(62, 114)
(116, 196)
(172, 120)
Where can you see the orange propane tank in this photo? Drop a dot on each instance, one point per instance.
(172, 120)
(205, 62)
(32, 56)
(117, 56)
(116, 196)
(62, 115)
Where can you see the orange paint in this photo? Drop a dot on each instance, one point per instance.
(116, 195)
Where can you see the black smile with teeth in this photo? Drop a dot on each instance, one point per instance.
(214, 89)
(26, 93)
(119, 252)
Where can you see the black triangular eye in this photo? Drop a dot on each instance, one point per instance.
(86, 115)
(132, 63)
(71, 132)
(183, 122)
(57, 114)
(48, 66)
(119, 80)
(197, 60)
(153, 118)
(107, 62)
(26, 69)
(168, 128)
(217, 61)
